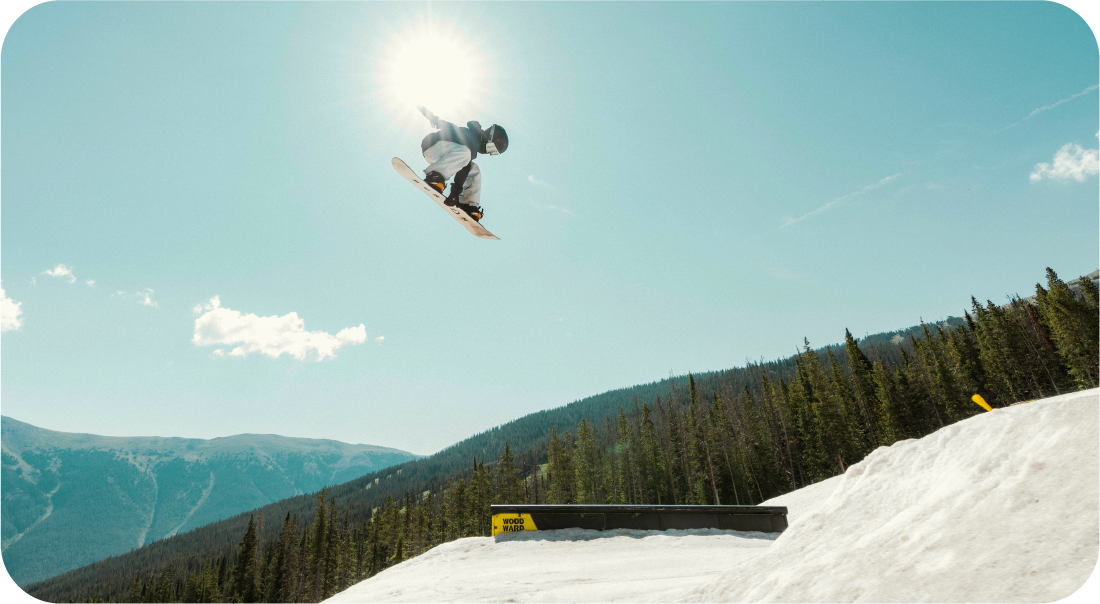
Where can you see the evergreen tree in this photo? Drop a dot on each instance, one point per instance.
(624, 453)
(509, 486)
(853, 434)
(244, 573)
(653, 471)
(1073, 325)
(585, 465)
(556, 469)
(863, 388)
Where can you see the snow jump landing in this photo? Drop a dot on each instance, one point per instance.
(764, 519)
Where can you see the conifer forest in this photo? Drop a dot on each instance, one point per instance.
(738, 437)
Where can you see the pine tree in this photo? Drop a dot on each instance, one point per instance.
(585, 464)
(555, 468)
(854, 443)
(319, 548)
(1090, 292)
(244, 573)
(135, 591)
(652, 461)
(863, 388)
(624, 453)
(1073, 325)
(509, 486)
(669, 452)
(726, 447)
(704, 487)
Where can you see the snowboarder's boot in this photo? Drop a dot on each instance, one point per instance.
(475, 212)
(436, 181)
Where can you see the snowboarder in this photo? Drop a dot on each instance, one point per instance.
(451, 151)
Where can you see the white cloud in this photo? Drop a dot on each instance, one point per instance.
(143, 297)
(9, 312)
(380, 339)
(839, 200)
(272, 336)
(1070, 162)
(61, 271)
(89, 282)
(146, 297)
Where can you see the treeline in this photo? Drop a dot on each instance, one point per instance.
(736, 437)
(743, 445)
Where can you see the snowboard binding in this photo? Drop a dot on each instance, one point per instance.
(436, 181)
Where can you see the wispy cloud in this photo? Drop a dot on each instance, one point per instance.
(146, 297)
(1065, 100)
(271, 336)
(9, 312)
(61, 271)
(554, 208)
(1071, 162)
(1039, 110)
(840, 200)
(143, 297)
(540, 183)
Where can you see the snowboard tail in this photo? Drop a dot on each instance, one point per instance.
(460, 215)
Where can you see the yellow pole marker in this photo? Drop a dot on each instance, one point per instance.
(977, 398)
(510, 523)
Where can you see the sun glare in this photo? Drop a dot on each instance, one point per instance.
(435, 69)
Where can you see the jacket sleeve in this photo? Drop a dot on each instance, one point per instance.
(476, 128)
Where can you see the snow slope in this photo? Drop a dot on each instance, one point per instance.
(569, 565)
(1002, 507)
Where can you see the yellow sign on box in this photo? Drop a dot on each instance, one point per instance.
(510, 523)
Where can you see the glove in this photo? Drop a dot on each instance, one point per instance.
(428, 114)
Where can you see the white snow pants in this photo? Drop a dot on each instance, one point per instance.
(448, 158)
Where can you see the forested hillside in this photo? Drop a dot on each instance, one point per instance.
(739, 436)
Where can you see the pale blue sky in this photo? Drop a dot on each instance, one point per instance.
(687, 186)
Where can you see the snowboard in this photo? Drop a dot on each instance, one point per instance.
(462, 217)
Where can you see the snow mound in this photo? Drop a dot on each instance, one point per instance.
(1002, 507)
(567, 565)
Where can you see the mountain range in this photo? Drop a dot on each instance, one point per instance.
(71, 499)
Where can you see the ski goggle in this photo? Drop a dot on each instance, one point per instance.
(490, 147)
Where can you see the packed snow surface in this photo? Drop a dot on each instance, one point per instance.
(567, 565)
(1002, 507)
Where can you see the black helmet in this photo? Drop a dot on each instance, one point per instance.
(498, 140)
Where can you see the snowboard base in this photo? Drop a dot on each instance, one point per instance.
(461, 216)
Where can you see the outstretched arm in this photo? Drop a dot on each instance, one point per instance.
(428, 114)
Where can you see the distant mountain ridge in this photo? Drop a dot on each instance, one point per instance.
(70, 499)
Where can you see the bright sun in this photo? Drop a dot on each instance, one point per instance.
(435, 69)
